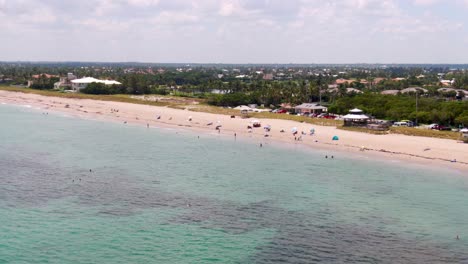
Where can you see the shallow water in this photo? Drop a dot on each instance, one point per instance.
(159, 196)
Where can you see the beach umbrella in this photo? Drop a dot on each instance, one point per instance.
(335, 138)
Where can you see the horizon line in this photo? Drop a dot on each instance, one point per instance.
(239, 63)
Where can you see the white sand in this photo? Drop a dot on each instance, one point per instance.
(430, 151)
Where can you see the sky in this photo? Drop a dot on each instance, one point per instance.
(235, 31)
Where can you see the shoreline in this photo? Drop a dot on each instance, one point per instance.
(411, 149)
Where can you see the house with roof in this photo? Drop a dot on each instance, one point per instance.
(352, 90)
(343, 81)
(44, 75)
(460, 94)
(378, 80)
(447, 82)
(348, 90)
(390, 92)
(36, 78)
(65, 82)
(82, 83)
(312, 108)
(414, 90)
(268, 76)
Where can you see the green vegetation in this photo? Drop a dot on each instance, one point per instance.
(100, 88)
(44, 83)
(410, 131)
(399, 107)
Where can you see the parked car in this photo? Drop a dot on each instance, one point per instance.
(441, 127)
(405, 123)
(327, 116)
(282, 111)
(432, 126)
(330, 116)
(444, 128)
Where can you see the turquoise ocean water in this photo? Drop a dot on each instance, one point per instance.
(166, 196)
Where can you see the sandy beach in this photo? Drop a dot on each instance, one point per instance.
(421, 150)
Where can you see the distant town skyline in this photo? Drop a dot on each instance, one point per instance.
(236, 31)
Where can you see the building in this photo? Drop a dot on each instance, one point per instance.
(347, 90)
(447, 82)
(65, 82)
(414, 90)
(390, 92)
(343, 81)
(311, 108)
(268, 76)
(82, 83)
(356, 117)
(44, 75)
(37, 77)
(352, 90)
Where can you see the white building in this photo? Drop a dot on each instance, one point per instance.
(82, 83)
(356, 117)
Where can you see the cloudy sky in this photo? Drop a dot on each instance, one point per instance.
(235, 31)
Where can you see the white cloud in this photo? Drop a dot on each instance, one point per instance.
(39, 15)
(234, 8)
(425, 2)
(173, 18)
(233, 30)
(103, 25)
(105, 6)
(143, 3)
